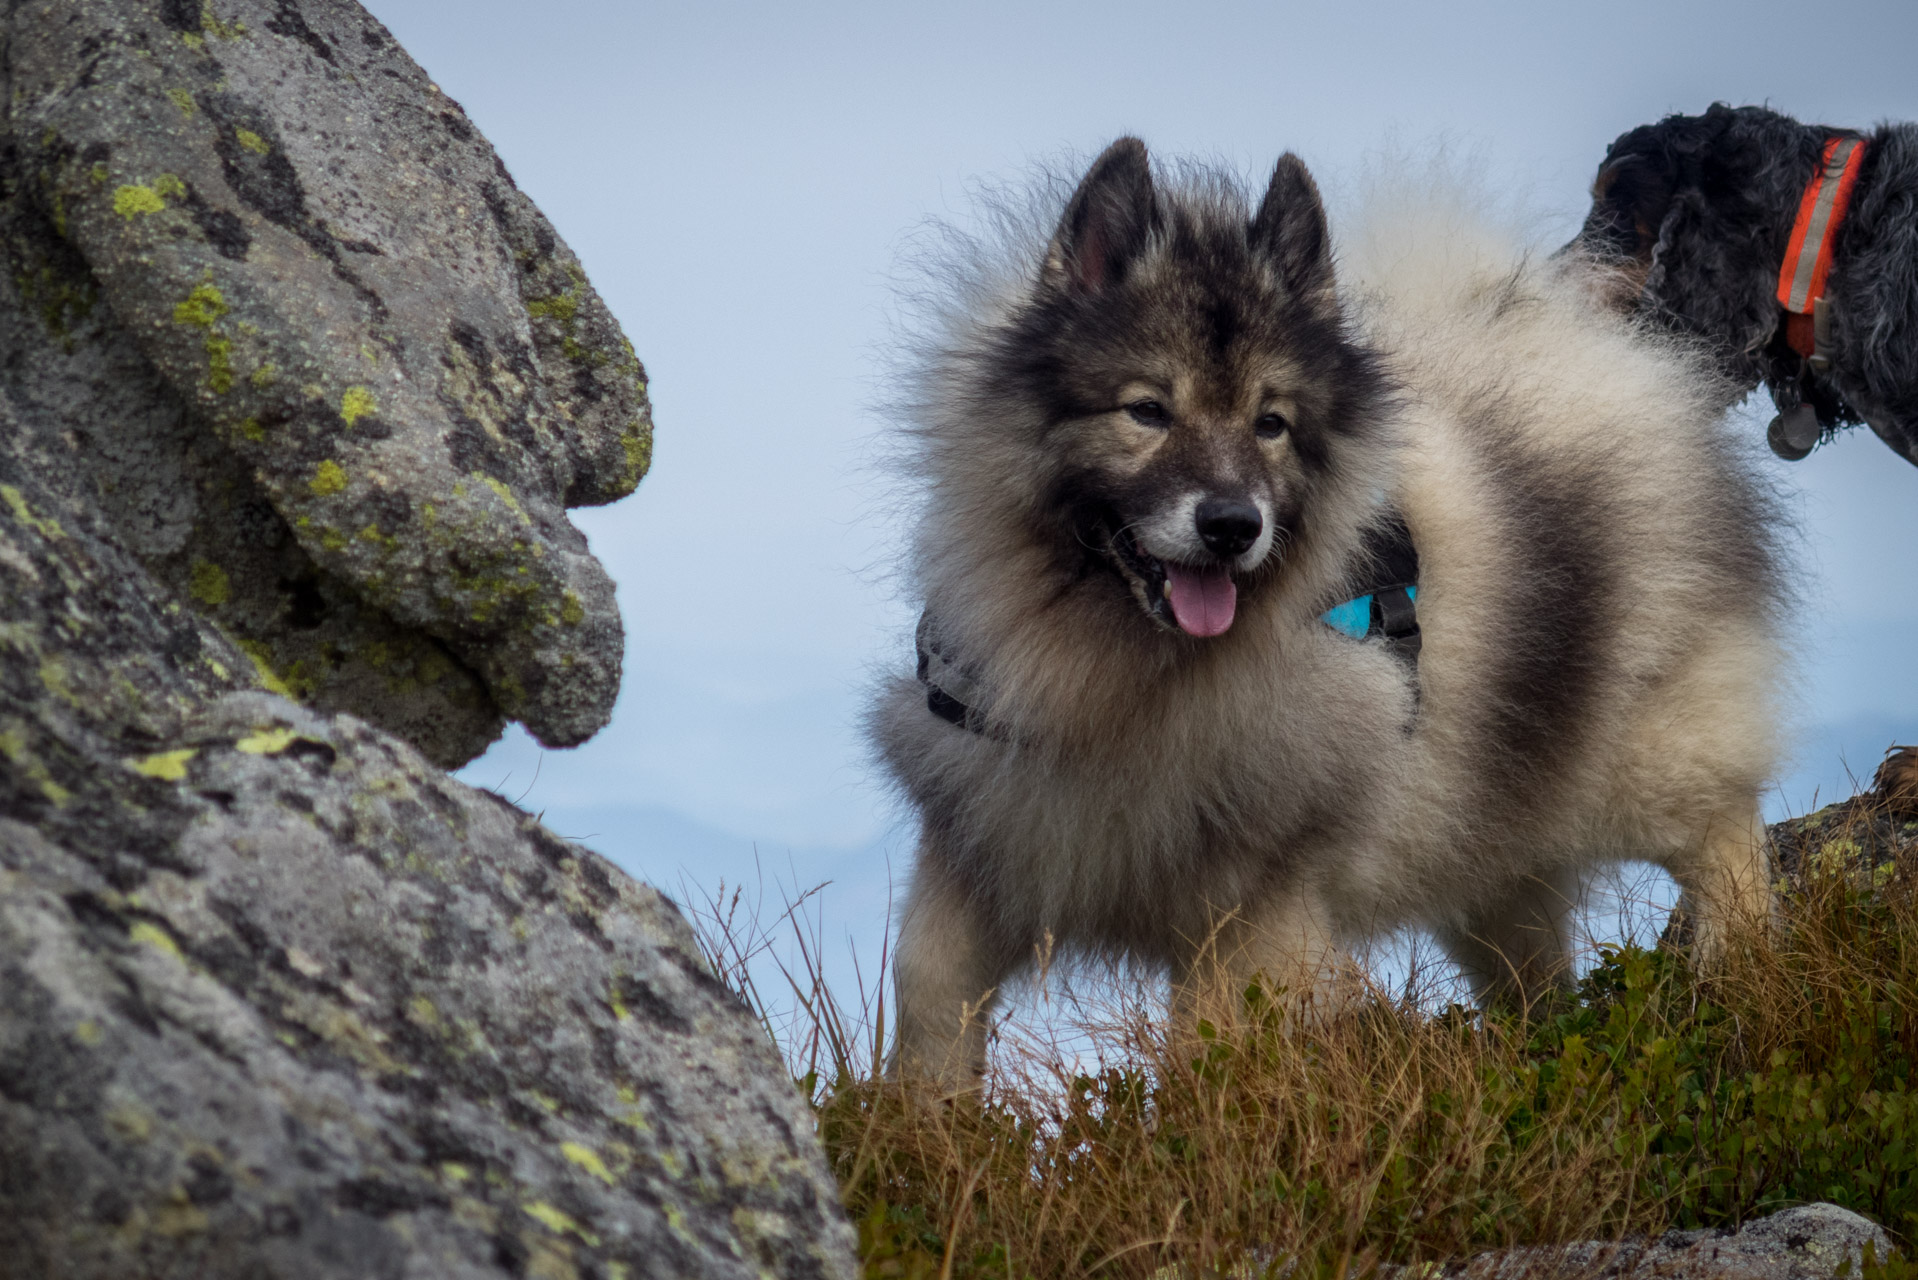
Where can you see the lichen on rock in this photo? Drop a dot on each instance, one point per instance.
(330, 306)
(284, 451)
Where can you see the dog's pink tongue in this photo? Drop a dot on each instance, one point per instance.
(1203, 600)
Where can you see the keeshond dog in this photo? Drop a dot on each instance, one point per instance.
(1266, 611)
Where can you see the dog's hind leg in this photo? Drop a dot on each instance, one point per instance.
(945, 983)
(1517, 948)
(1725, 878)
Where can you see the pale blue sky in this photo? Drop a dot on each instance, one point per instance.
(740, 179)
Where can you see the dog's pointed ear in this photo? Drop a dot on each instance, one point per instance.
(1290, 229)
(1107, 223)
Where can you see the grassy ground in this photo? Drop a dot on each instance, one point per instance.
(1648, 1099)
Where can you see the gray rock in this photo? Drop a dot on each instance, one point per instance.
(1811, 1242)
(279, 998)
(278, 316)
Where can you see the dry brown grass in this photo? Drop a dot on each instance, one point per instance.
(1395, 1134)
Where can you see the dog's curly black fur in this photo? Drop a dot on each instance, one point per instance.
(1695, 212)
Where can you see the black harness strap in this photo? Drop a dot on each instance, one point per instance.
(946, 680)
(1392, 584)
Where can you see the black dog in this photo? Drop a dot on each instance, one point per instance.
(1701, 216)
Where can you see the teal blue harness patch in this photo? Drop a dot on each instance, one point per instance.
(1354, 617)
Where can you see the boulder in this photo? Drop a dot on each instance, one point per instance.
(294, 392)
(280, 998)
(280, 317)
(1811, 1242)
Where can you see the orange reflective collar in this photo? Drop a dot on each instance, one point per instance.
(1801, 280)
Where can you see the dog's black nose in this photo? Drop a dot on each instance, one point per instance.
(1228, 526)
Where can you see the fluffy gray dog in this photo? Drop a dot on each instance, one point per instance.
(1170, 704)
(1702, 215)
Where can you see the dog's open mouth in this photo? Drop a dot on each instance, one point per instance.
(1198, 600)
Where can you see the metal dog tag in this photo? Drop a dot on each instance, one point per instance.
(1792, 434)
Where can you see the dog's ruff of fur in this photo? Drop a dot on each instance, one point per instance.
(1599, 598)
(1694, 213)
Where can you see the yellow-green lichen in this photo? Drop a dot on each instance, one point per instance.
(183, 99)
(488, 595)
(211, 24)
(153, 936)
(99, 173)
(332, 540)
(633, 1116)
(371, 533)
(252, 141)
(167, 766)
(328, 478)
(563, 307)
(355, 404)
(265, 376)
(263, 666)
(14, 747)
(266, 742)
(588, 1159)
(202, 309)
(572, 612)
(88, 1033)
(219, 361)
(558, 1221)
(252, 430)
(208, 583)
(637, 441)
(45, 526)
(134, 199)
(505, 495)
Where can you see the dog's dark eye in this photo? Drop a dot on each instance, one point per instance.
(1270, 426)
(1149, 413)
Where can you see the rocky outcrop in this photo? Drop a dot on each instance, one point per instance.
(1812, 1242)
(278, 317)
(1864, 838)
(295, 391)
